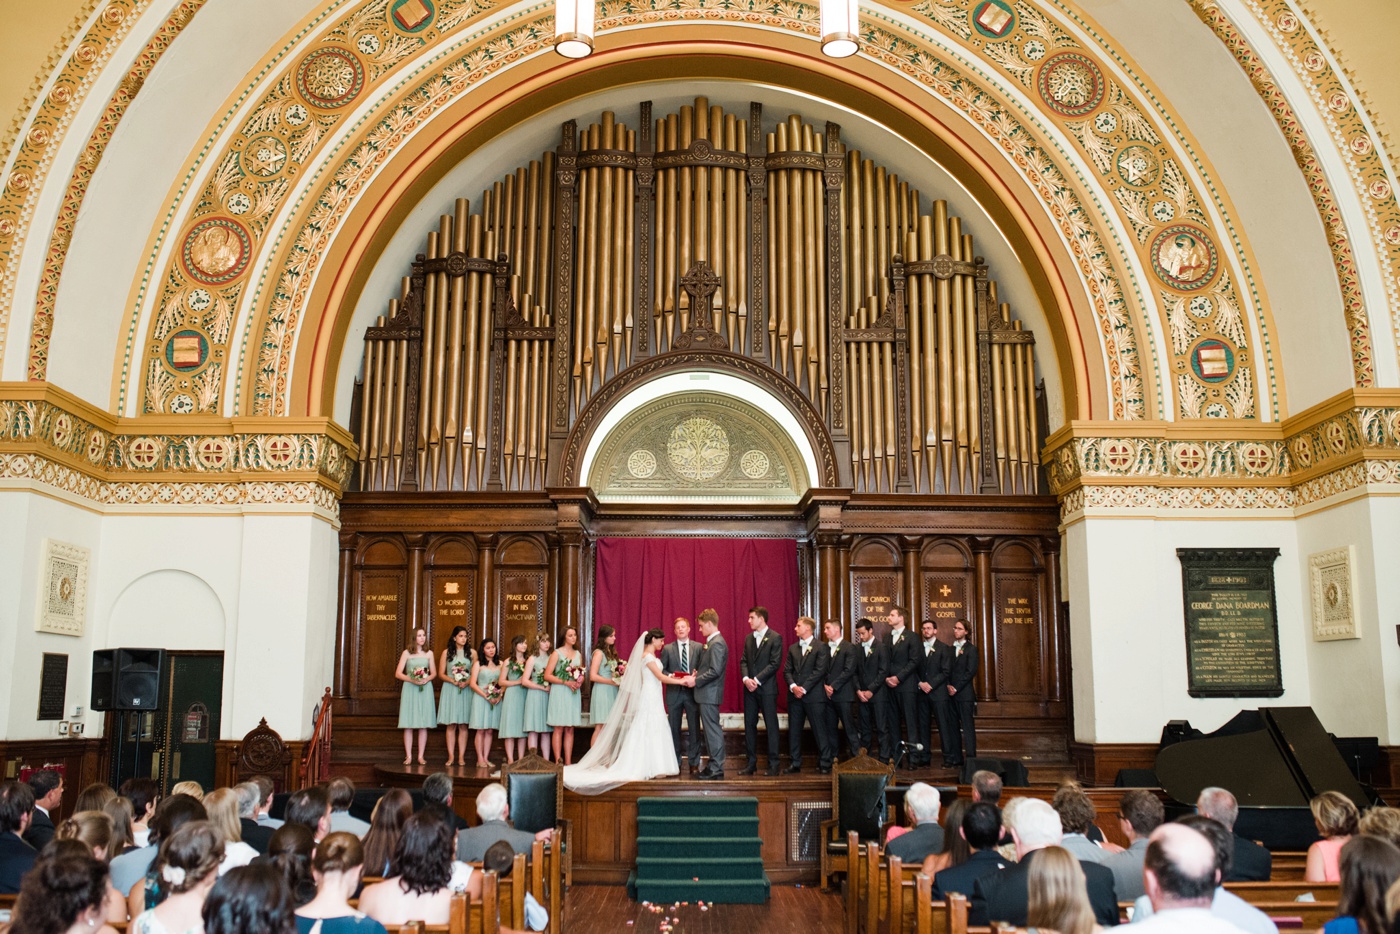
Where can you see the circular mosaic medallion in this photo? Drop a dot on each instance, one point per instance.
(1212, 361)
(144, 452)
(1303, 451)
(280, 450)
(368, 43)
(1201, 306)
(62, 429)
(1216, 410)
(213, 453)
(1034, 50)
(754, 464)
(216, 251)
(199, 299)
(238, 203)
(698, 448)
(993, 18)
(296, 115)
(186, 351)
(1184, 257)
(1188, 457)
(412, 15)
(330, 77)
(1105, 123)
(182, 403)
(96, 446)
(1257, 458)
(264, 156)
(1138, 166)
(641, 464)
(1071, 84)
(1118, 455)
(1163, 211)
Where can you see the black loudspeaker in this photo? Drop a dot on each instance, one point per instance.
(127, 679)
(1012, 771)
(1136, 778)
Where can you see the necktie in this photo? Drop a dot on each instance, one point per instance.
(685, 657)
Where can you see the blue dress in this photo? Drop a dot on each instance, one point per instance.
(565, 704)
(513, 709)
(600, 702)
(485, 715)
(455, 703)
(537, 702)
(416, 701)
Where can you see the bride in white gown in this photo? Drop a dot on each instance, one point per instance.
(635, 743)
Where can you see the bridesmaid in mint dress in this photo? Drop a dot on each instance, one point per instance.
(512, 728)
(417, 672)
(602, 674)
(486, 701)
(537, 695)
(455, 702)
(565, 703)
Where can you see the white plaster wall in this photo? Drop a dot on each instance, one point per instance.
(1128, 632)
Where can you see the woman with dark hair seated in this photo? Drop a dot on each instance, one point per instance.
(336, 866)
(421, 890)
(289, 852)
(186, 868)
(955, 850)
(128, 870)
(385, 828)
(1369, 867)
(62, 894)
(249, 900)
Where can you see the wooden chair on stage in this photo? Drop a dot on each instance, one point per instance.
(857, 804)
(535, 793)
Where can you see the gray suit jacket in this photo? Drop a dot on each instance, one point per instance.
(709, 673)
(473, 842)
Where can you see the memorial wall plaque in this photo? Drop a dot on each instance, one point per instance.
(1231, 622)
(53, 686)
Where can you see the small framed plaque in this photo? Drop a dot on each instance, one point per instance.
(62, 603)
(53, 686)
(1332, 577)
(1231, 622)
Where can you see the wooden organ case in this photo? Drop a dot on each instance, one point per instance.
(702, 241)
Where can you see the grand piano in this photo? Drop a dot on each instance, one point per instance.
(1274, 760)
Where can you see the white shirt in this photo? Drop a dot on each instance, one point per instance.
(896, 633)
(806, 644)
(928, 646)
(236, 853)
(835, 644)
(1186, 921)
(868, 646)
(683, 653)
(758, 636)
(958, 646)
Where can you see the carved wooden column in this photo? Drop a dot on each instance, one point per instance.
(843, 600)
(984, 624)
(833, 176)
(344, 621)
(575, 508)
(987, 482)
(495, 397)
(828, 577)
(486, 583)
(1056, 646)
(909, 552)
(417, 610)
(565, 211)
(644, 207)
(758, 239)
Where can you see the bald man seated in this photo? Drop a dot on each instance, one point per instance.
(1179, 873)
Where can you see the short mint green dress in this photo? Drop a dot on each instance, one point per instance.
(601, 700)
(454, 703)
(416, 701)
(565, 705)
(485, 715)
(537, 702)
(513, 711)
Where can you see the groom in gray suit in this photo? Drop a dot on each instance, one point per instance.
(709, 691)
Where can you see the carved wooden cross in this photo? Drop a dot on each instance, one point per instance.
(701, 283)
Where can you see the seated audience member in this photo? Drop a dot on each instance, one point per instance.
(289, 852)
(986, 787)
(63, 895)
(123, 839)
(926, 837)
(185, 869)
(385, 828)
(1139, 813)
(1250, 861)
(91, 831)
(1179, 873)
(421, 889)
(94, 797)
(342, 794)
(129, 870)
(47, 786)
(1336, 819)
(1004, 895)
(1224, 904)
(311, 808)
(492, 808)
(249, 900)
(266, 789)
(955, 850)
(16, 856)
(1058, 898)
(1077, 815)
(1381, 822)
(437, 790)
(221, 804)
(500, 859)
(980, 829)
(194, 789)
(336, 866)
(1369, 867)
(256, 835)
(144, 795)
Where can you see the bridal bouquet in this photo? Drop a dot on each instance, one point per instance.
(494, 693)
(460, 672)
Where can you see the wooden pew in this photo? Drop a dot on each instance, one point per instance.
(1296, 916)
(1288, 865)
(901, 901)
(1284, 891)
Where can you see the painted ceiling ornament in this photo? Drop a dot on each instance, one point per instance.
(1071, 84)
(186, 351)
(1185, 257)
(994, 18)
(216, 251)
(641, 464)
(330, 77)
(1138, 166)
(265, 156)
(754, 464)
(412, 15)
(1212, 361)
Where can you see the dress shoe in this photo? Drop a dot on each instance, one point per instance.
(824, 771)
(711, 776)
(790, 770)
(774, 770)
(749, 770)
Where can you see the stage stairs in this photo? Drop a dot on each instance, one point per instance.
(698, 849)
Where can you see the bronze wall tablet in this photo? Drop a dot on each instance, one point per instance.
(1231, 622)
(53, 686)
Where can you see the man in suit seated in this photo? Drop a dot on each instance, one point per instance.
(1005, 895)
(492, 808)
(256, 835)
(1139, 813)
(16, 856)
(981, 828)
(1250, 862)
(47, 786)
(342, 794)
(926, 837)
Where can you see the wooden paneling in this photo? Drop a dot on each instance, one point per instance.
(80, 759)
(1098, 763)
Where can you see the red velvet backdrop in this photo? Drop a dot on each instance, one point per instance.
(644, 583)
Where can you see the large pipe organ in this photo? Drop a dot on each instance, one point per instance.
(701, 239)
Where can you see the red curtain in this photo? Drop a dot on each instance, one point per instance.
(645, 583)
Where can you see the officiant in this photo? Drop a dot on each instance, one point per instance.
(679, 658)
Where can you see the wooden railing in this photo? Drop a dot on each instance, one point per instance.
(316, 764)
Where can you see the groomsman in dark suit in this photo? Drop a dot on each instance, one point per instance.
(872, 663)
(805, 670)
(962, 668)
(840, 689)
(931, 698)
(902, 679)
(758, 665)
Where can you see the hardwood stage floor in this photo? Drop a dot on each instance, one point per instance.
(605, 909)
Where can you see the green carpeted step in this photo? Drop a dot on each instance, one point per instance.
(698, 807)
(746, 892)
(699, 847)
(717, 827)
(710, 868)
